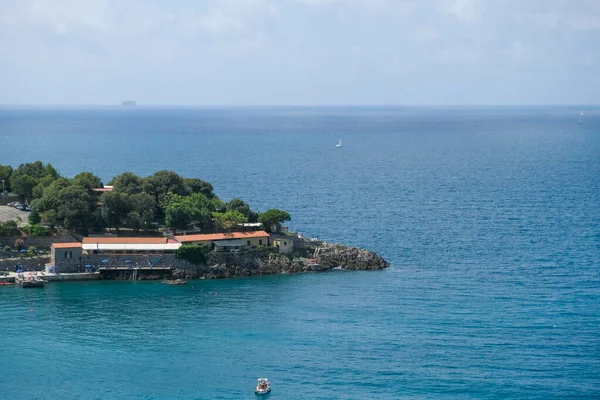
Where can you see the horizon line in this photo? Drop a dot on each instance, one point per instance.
(144, 105)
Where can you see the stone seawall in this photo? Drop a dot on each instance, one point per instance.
(33, 264)
(41, 242)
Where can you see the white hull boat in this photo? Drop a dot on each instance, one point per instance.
(263, 386)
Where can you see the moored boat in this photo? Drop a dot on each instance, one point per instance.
(263, 386)
(174, 281)
(30, 281)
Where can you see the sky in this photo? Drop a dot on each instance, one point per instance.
(299, 52)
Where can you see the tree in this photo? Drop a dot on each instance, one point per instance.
(23, 185)
(6, 172)
(49, 200)
(142, 207)
(218, 205)
(88, 180)
(229, 220)
(115, 208)
(34, 217)
(184, 211)
(243, 207)
(127, 182)
(238, 205)
(76, 208)
(195, 185)
(273, 219)
(29, 175)
(163, 182)
(179, 215)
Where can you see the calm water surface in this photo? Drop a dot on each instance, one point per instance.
(490, 218)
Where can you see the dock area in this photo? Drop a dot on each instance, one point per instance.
(109, 273)
(76, 276)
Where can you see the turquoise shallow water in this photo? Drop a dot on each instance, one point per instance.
(490, 218)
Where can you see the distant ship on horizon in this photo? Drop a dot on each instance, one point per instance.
(129, 103)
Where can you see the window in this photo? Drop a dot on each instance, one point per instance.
(284, 243)
(248, 243)
(68, 254)
(260, 242)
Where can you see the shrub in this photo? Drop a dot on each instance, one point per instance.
(39, 230)
(31, 251)
(8, 228)
(19, 244)
(194, 253)
(7, 248)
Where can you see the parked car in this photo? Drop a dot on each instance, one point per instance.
(26, 208)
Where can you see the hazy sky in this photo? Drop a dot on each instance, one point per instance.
(205, 52)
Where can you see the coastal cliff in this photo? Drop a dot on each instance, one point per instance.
(256, 262)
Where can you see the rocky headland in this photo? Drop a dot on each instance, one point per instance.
(256, 262)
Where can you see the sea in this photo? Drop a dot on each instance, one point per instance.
(489, 216)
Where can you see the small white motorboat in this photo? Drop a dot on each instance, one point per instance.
(263, 386)
(339, 143)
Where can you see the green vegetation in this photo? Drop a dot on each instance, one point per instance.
(273, 219)
(6, 172)
(31, 178)
(194, 253)
(31, 251)
(162, 199)
(36, 230)
(228, 220)
(9, 228)
(34, 217)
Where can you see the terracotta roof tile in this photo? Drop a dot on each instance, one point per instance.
(124, 240)
(221, 236)
(66, 245)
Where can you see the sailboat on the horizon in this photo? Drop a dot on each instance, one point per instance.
(579, 121)
(339, 143)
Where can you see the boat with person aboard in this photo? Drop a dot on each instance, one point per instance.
(29, 281)
(263, 386)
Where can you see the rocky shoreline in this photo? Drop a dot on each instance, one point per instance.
(254, 262)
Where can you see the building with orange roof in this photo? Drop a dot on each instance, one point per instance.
(129, 245)
(252, 239)
(66, 256)
(124, 240)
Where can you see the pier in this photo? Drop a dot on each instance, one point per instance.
(108, 273)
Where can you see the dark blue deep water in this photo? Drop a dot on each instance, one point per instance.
(489, 216)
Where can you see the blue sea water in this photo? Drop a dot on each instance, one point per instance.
(489, 216)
